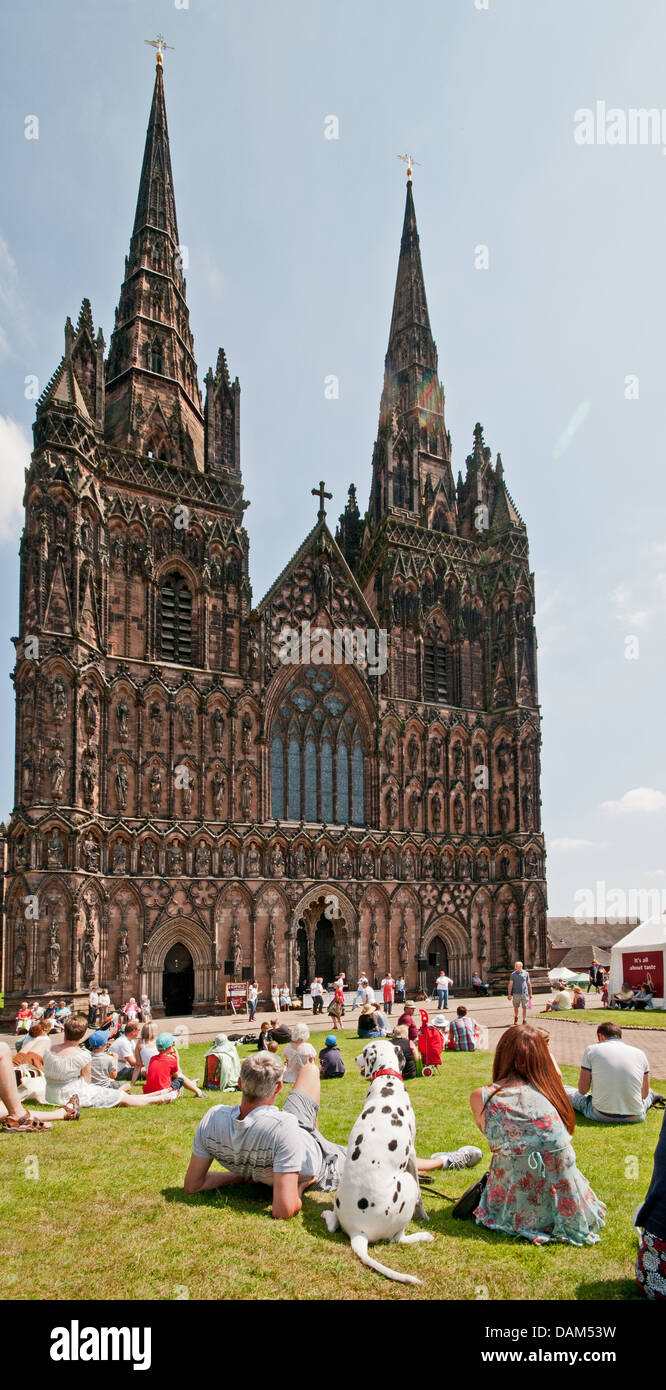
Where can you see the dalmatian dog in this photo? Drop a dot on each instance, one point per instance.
(379, 1190)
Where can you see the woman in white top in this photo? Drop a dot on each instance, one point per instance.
(67, 1072)
(298, 1051)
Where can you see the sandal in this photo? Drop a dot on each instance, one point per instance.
(76, 1108)
(28, 1124)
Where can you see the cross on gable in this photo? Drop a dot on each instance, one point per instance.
(321, 493)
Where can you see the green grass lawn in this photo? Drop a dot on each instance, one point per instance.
(625, 1018)
(106, 1216)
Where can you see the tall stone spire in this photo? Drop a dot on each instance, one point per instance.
(411, 464)
(153, 403)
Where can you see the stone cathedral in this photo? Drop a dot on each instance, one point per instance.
(190, 811)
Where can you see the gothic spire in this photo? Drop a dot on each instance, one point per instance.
(410, 338)
(153, 399)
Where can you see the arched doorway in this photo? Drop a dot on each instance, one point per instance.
(178, 980)
(324, 950)
(438, 959)
(302, 960)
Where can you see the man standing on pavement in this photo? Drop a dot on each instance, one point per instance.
(93, 1004)
(442, 985)
(614, 1081)
(359, 997)
(520, 990)
(317, 994)
(252, 999)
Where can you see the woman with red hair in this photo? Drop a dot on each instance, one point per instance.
(534, 1188)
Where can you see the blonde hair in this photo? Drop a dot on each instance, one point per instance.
(149, 1032)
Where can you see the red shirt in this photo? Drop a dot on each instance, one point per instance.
(407, 1021)
(161, 1068)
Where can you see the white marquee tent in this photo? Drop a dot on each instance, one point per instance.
(639, 956)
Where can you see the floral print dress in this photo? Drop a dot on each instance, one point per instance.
(534, 1188)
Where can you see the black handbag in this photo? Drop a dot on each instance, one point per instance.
(470, 1199)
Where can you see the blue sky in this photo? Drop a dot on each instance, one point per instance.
(293, 242)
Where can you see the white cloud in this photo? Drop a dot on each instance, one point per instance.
(656, 873)
(14, 459)
(644, 801)
(568, 843)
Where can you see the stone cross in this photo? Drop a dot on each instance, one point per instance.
(321, 493)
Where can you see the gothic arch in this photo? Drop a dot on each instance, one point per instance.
(458, 947)
(201, 948)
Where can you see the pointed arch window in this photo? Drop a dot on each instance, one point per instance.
(316, 752)
(175, 620)
(156, 357)
(435, 683)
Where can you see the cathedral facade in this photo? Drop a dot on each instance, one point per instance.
(191, 808)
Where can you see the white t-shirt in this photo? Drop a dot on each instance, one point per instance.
(295, 1054)
(253, 994)
(617, 1076)
(563, 998)
(369, 994)
(93, 999)
(315, 989)
(443, 981)
(123, 1047)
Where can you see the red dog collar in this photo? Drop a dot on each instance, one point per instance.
(386, 1071)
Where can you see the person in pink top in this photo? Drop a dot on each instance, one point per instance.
(388, 992)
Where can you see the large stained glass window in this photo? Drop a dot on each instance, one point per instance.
(316, 753)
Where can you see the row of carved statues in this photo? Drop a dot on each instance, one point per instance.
(278, 861)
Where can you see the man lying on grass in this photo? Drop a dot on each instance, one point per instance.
(256, 1142)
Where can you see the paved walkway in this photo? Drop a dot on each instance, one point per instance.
(569, 1038)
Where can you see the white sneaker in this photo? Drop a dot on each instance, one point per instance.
(467, 1157)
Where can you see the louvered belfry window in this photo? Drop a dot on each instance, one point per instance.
(176, 620)
(434, 671)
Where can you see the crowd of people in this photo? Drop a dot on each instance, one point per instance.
(533, 1187)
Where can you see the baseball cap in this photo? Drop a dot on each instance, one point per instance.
(331, 1040)
(164, 1042)
(98, 1038)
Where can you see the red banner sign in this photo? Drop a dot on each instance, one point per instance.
(639, 967)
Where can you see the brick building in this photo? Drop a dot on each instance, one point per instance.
(190, 810)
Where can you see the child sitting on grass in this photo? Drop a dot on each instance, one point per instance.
(164, 1069)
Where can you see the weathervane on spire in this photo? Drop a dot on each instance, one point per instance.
(160, 44)
(410, 161)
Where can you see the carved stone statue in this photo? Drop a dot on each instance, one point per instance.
(436, 810)
(458, 758)
(270, 945)
(482, 940)
(187, 723)
(89, 711)
(57, 770)
(505, 866)
(277, 862)
(408, 864)
(387, 865)
(299, 862)
(119, 857)
(123, 953)
(28, 775)
(20, 953)
(53, 953)
(122, 720)
(526, 757)
(55, 851)
(217, 728)
(218, 793)
(322, 862)
(246, 795)
(345, 865)
(503, 808)
(479, 813)
(228, 861)
(458, 813)
(122, 786)
(202, 859)
(21, 856)
(391, 805)
(503, 753)
(373, 944)
(88, 953)
(175, 858)
(413, 809)
(427, 865)
(413, 753)
(187, 794)
(527, 804)
(253, 862)
(403, 941)
(506, 938)
(59, 700)
(236, 947)
(155, 789)
(88, 778)
(155, 716)
(447, 866)
(366, 866)
(389, 750)
(324, 583)
(147, 858)
(533, 936)
(90, 851)
(246, 734)
(435, 754)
